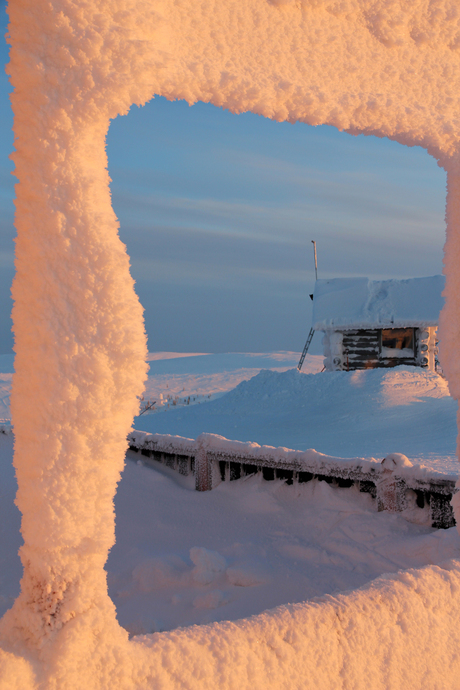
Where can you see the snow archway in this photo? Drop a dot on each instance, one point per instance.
(383, 67)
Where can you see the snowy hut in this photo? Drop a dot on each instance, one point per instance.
(369, 323)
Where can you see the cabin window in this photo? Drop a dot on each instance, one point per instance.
(397, 341)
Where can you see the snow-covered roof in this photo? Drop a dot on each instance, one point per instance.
(362, 303)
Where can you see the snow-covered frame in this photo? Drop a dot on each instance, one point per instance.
(384, 67)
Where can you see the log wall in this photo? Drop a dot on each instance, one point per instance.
(361, 350)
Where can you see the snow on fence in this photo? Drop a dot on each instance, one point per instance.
(394, 482)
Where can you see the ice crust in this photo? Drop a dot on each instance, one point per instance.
(384, 67)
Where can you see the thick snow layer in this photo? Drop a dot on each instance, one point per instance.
(221, 448)
(244, 547)
(249, 545)
(376, 66)
(184, 557)
(368, 413)
(79, 338)
(364, 303)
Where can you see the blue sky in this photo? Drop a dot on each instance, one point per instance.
(218, 212)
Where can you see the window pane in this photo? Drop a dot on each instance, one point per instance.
(398, 338)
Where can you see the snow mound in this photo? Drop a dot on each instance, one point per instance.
(208, 564)
(154, 573)
(394, 460)
(384, 387)
(210, 600)
(368, 413)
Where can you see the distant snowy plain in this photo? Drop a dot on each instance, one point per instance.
(183, 557)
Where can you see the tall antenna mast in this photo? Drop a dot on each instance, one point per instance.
(312, 331)
(316, 260)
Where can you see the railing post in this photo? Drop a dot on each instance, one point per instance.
(203, 467)
(391, 490)
(441, 511)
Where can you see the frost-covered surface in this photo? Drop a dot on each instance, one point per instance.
(343, 414)
(279, 544)
(363, 303)
(219, 447)
(175, 381)
(183, 557)
(79, 335)
(376, 66)
(247, 545)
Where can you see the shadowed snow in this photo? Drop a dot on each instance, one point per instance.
(345, 414)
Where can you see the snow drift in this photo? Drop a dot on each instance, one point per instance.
(383, 67)
(363, 413)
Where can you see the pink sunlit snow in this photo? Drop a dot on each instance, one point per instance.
(381, 67)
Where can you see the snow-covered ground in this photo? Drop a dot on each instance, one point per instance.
(364, 413)
(184, 557)
(176, 380)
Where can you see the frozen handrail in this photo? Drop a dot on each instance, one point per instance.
(213, 459)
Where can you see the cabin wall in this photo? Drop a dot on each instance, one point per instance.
(427, 347)
(362, 349)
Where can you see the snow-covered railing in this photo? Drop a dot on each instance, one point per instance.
(394, 482)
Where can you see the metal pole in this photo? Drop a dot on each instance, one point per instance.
(311, 333)
(316, 261)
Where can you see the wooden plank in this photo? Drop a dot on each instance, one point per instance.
(360, 338)
(361, 346)
(395, 361)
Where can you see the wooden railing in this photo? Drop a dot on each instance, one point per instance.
(394, 483)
